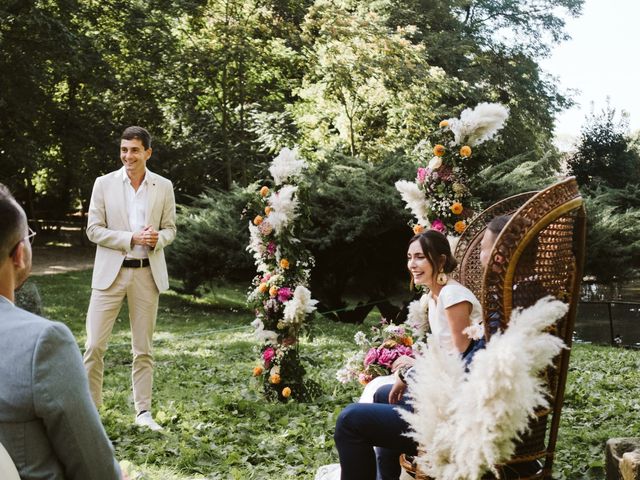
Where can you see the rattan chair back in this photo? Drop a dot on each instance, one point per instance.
(539, 252)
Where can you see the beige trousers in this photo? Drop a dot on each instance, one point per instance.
(142, 297)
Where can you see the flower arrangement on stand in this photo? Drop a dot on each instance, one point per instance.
(440, 198)
(377, 352)
(279, 294)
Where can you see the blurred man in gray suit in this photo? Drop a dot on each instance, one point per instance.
(48, 422)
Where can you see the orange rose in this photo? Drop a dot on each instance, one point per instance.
(456, 208)
(284, 263)
(263, 287)
(443, 124)
(286, 392)
(418, 229)
(439, 150)
(264, 191)
(465, 151)
(257, 371)
(275, 379)
(460, 226)
(273, 291)
(258, 220)
(407, 341)
(268, 210)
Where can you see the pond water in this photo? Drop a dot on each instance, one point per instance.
(609, 314)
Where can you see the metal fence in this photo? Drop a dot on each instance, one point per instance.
(614, 323)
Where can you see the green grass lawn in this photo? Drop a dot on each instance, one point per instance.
(218, 426)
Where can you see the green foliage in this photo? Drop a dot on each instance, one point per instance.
(353, 214)
(522, 173)
(606, 164)
(220, 82)
(212, 240)
(369, 89)
(359, 229)
(601, 402)
(605, 155)
(218, 426)
(613, 233)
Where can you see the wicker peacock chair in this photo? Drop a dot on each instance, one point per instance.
(539, 252)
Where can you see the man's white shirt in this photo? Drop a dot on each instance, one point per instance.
(136, 202)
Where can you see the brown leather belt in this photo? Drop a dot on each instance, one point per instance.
(135, 263)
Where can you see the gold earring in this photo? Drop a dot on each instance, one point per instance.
(442, 278)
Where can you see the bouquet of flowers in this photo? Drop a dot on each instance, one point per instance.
(440, 198)
(377, 353)
(279, 294)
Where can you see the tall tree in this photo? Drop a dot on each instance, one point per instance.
(368, 90)
(605, 155)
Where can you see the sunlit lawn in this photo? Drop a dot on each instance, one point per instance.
(217, 425)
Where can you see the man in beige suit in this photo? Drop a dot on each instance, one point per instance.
(131, 219)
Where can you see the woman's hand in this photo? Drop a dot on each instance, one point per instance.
(402, 361)
(395, 395)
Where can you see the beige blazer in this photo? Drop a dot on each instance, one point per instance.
(108, 226)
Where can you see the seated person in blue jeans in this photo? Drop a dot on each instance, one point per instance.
(452, 308)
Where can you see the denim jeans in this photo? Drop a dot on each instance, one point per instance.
(363, 426)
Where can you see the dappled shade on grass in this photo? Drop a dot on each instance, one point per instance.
(218, 425)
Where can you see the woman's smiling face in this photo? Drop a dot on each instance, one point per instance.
(419, 265)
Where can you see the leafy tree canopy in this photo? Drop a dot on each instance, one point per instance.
(606, 155)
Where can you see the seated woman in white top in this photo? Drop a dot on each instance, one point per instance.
(452, 310)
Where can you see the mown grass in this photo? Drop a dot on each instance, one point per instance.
(218, 426)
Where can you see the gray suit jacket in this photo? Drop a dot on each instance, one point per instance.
(48, 423)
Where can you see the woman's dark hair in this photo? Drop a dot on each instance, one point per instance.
(434, 246)
(496, 224)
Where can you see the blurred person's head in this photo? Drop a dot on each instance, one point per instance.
(494, 227)
(15, 245)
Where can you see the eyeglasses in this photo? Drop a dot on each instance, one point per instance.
(29, 237)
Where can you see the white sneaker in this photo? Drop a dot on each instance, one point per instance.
(146, 420)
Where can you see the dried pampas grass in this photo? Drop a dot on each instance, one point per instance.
(467, 423)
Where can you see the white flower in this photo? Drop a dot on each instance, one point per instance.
(414, 198)
(475, 331)
(396, 330)
(257, 324)
(256, 247)
(435, 163)
(417, 316)
(344, 375)
(352, 368)
(360, 338)
(286, 165)
(478, 125)
(284, 204)
(266, 336)
(299, 305)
